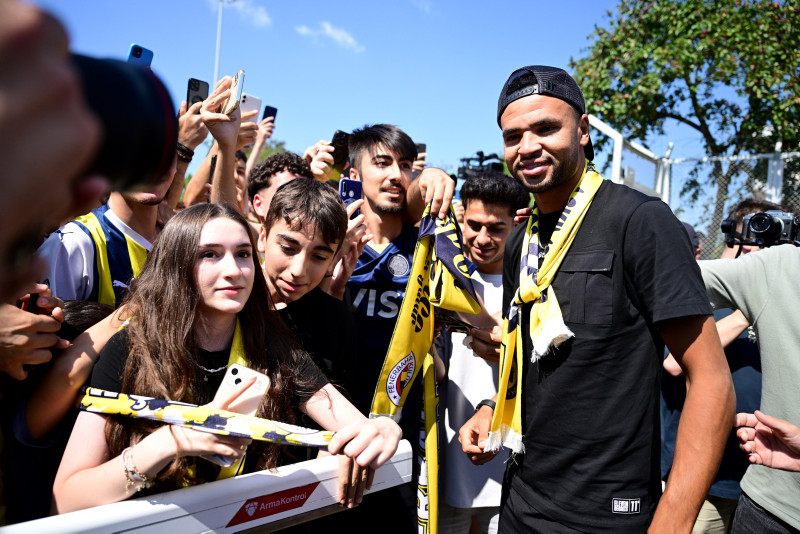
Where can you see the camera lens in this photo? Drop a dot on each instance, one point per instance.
(194, 85)
(137, 52)
(766, 228)
(138, 118)
(234, 371)
(237, 381)
(727, 226)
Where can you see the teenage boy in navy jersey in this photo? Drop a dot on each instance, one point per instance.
(381, 157)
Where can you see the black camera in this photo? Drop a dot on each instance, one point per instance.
(137, 51)
(763, 229)
(140, 128)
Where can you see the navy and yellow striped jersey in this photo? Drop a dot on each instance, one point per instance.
(374, 294)
(118, 258)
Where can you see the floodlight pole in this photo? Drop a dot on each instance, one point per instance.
(219, 44)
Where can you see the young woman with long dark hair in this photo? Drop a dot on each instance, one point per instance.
(199, 286)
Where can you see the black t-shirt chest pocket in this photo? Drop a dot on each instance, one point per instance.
(586, 278)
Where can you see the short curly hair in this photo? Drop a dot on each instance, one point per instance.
(260, 176)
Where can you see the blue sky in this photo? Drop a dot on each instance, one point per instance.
(432, 67)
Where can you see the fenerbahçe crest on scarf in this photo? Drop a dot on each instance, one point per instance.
(439, 278)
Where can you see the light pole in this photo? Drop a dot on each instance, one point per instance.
(219, 42)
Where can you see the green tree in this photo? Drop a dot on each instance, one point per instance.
(728, 69)
(271, 147)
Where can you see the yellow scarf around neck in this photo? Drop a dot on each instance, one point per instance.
(547, 328)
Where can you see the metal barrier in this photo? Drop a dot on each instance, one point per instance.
(264, 502)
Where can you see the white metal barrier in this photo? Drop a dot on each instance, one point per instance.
(267, 500)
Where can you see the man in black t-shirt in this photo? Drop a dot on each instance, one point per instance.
(627, 283)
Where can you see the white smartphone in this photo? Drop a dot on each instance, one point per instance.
(250, 103)
(236, 93)
(247, 403)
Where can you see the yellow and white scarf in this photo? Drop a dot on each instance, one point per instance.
(547, 328)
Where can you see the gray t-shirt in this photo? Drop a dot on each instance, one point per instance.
(764, 286)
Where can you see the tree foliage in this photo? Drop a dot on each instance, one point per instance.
(729, 69)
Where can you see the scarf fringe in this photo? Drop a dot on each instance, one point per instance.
(504, 437)
(554, 333)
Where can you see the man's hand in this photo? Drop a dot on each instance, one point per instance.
(320, 159)
(26, 338)
(437, 188)
(191, 129)
(354, 242)
(769, 441)
(486, 343)
(461, 212)
(369, 443)
(419, 163)
(522, 215)
(265, 129)
(248, 130)
(473, 436)
(224, 128)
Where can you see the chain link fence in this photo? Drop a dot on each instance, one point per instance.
(703, 191)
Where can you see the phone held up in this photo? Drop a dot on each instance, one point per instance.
(349, 192)
(341, 150)
(196, 91)
(250, 103)
(270, 111)
(140, 55)
(236, 93)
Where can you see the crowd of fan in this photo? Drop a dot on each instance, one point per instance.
(152, 291)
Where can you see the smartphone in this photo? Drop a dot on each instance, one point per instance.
(211, 168)
(140, 55)
(249, 103)
(420, 149)
(196, 91)
(247, 403)
(236, 93)
(341, 152)
(269, 111)
(350, 191)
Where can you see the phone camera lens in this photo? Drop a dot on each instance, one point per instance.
(194, 84)
(137, 52)
(237, 381)
(234, 371)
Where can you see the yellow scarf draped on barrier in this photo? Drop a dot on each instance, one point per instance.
(547, 326)
(204, 418)
(438, 278)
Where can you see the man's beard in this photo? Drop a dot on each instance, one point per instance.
(389, 208)
(557, 177)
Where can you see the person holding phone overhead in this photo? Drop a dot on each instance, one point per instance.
(201, 304)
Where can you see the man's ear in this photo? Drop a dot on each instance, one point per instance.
(262, 237)
(354, 174)
(258, 206)
(583, 126)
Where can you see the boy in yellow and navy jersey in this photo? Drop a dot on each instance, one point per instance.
(95, 256)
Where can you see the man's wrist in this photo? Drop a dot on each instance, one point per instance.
(486, 402)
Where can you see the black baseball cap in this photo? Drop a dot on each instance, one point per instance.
(543, 80)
